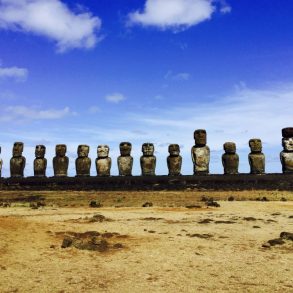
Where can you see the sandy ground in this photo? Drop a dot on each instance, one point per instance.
(164, 249)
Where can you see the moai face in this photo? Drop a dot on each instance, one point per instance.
(230, 147)
(125, 148)
(255, 145)
(174, 150)
(60, 150)
(288, 144)
(103, 151)
(17, 149)
(148, 149)
(40, 151)
(83, 151)
(200, 137)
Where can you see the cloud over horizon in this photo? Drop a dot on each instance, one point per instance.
(175, 14)
(51, 19)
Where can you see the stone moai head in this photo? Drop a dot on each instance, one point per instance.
(17, 149)
(61, 150)
(103, 151)
(287, 140)
(148, 149)
(200, 137)
(125, 148)
(174, 150)
(255, 145)
(40, 151)
(229, 147)
(83, 151)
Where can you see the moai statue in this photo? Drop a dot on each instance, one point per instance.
(40, 162)
(230, 159)
(60, 161)
(125, 161)
(174, 160)
(148, 160)
(17, 162)
(256, 158)
(83, 162)
(103, 162)
(200, 153)
(1, 163)
(286, 155)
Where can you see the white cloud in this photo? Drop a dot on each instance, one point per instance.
(17, 73)
(181, 76)
(30, 113)
(178, 14)
(115, 98)
(94, 109)
(52, 19)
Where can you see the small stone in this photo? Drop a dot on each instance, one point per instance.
(231, 198)
(277, 241)
(67, 242)
(147, 204)
(286, 235)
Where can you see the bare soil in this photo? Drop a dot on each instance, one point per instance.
(153, 249)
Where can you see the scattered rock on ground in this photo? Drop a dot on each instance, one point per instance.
(147, 204)
(203, 236)
(231, 198)
(94, 204)
(205, 221)
(249, 219)
(193, 206)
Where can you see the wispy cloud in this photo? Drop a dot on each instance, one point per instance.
(115, 98)
(174, 14)
(94, 109)
(17, 73)
(52, 19)
(181, 76)
(31, 113)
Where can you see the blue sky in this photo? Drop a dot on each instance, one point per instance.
(102, 72)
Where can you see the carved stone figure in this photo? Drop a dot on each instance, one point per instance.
(148, 160)
(103, 162)
(200, 153)
(1, 163)
(174, 160)
(60, 161)
(40, 162)
(125, 161)
(83, 162)
(256, 158)
(286, 155)
(230, 159)
(17, 162)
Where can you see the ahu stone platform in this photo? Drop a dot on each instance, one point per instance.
(283, 182)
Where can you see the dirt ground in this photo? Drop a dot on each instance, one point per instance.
(152, 249)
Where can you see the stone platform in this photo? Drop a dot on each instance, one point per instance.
(239, 182)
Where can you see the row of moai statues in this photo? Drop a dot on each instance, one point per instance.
(200, 154)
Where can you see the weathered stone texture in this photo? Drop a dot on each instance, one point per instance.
(60, 161)
(17, 162)
(230, 159)
(103, 162)
(40, 162)
(83, 162)
(286, 155)
(174, 160)
(125, 161)
(256, 158)
(148, 160)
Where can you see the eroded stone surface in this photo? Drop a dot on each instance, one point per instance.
(83, 162)
(256, 158)
(286, 155)
(230, 159)
(17, 162)
(103, 162)
(200, 153)
(148, 160)
(125, 161)
(40, 162)
(174, 160)
(60, 161)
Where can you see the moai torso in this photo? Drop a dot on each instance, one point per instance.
(148, 160)
(1, 163)
(256, 158)
(230, 159)
(174, 160)
(103, 162)
(60, 161)
(200, 153)
(125, 161)
(17, 162)
(286, 155)
(83, 162)
(40, 162)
